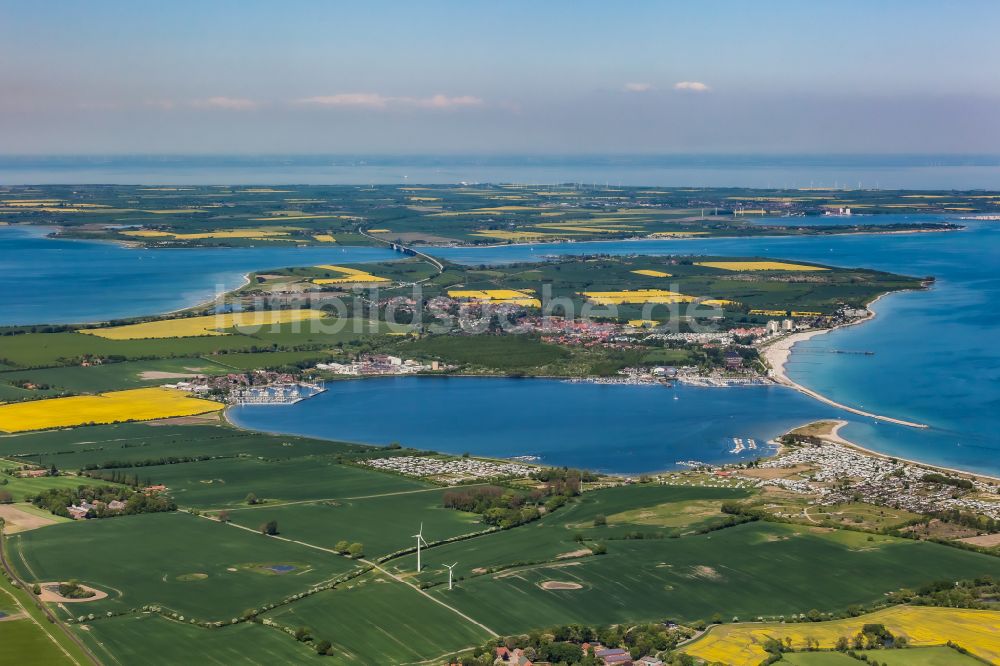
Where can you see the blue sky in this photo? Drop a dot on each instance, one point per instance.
(496, 77)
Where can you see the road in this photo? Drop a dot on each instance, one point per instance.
(44, 608)
(377, 567)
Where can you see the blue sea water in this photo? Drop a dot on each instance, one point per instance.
(611, 428)
(44, 280)
(769, 171)
(935, 361)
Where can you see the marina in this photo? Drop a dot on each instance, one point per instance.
(278, 394)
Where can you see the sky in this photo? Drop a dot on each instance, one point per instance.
(541, 77)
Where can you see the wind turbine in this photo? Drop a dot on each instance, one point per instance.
(451, 571)
(419, 536)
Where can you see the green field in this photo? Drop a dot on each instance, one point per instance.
(30, 639)
(383, 524)
(112, 376)
(226, 482)
(377, 620)
(22, 488)
(152, 639)
(731, 571)
(138, 560)
(930, 656)
(669, 554)
(138, 442)
(436, 214)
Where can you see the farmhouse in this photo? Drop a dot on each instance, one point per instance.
(616, 656)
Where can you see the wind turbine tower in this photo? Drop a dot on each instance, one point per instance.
(419, 536)
(451, 573)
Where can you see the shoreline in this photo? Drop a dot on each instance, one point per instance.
(642, 239)
(486, 246)
(777, 354)
(834, 436)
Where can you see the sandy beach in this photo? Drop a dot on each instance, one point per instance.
(777, 353)
(833, 435)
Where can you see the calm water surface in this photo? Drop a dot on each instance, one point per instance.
(618, 429)
(44, 280)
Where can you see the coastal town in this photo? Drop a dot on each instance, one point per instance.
(450, 471)
(835, 473)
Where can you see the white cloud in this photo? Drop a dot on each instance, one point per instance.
(378, 101)
(443, 101)
(638, 87)
(371, 100)
(229, 103)
(693, 86)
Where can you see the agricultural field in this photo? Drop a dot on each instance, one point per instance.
(931, 656)
(22, 488)
(635, 281)
(111, 376)
(190, 327)
(27, 638)
(974, 630)
(727, 571)
(739, 266)
(139, 443)
(143, 404)
(152, 639)
(666, 556)
(378, 620)
(196, 567)
(225, 482)
(384, 523)
(481, 214)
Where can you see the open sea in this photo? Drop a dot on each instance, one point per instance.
(935, 354)
(786, 171)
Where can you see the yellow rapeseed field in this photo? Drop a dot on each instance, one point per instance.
(516, 235)
(295, 216)
(643, 323)
(758, 266)
(585, 228)
(350, 276)
(380, 231)
(174, 211)
(252, 234)
(637, 296)
(676, 234)
(491, 209)
(741, 644)
(190, 327)
(497, 296)
(770, 313)
(325, 238)
(651, 273)
(133, 405)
